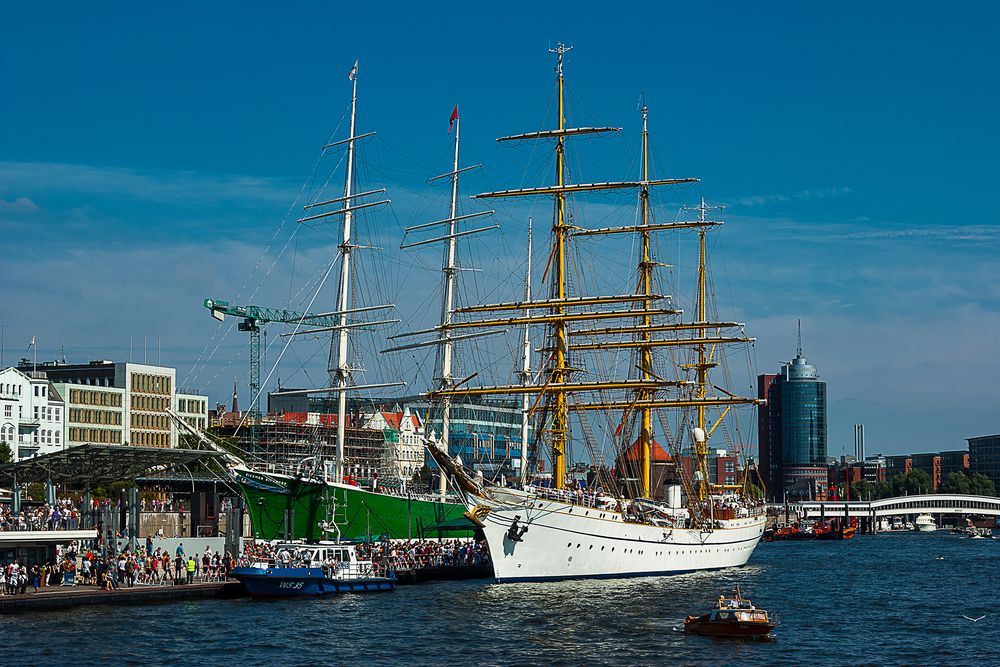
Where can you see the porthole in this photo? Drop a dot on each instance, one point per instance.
(591, 546)
(569, 545)
(602, 548)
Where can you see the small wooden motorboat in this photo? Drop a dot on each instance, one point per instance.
(733, 616)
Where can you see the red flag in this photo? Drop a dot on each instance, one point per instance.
(454, 117)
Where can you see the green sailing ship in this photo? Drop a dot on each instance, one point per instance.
(308, 496)
(286, 506)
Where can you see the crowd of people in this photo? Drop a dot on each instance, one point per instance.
(148, 566)
(63, 515)
(154, 567)
(415, 554)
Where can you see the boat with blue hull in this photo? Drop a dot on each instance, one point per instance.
(326, 568)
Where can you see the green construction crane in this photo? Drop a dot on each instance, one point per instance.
(254, 317)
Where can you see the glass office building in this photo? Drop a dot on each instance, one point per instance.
(792, 429)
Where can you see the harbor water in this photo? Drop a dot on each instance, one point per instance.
(889, 599)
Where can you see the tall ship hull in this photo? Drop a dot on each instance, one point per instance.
(287, 507)
(572, 541)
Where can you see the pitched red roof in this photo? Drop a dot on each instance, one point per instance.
(393, 419)
(657, 453)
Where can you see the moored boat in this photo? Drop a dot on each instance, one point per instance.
(925, 523)
(309, 570)
(294, 507)
(733, 616)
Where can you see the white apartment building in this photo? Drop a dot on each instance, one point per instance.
(32, 414)
(193, 409)
(404, 452)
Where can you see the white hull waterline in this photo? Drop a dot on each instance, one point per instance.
(569, 541)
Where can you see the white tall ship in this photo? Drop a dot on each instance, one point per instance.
(626, 354)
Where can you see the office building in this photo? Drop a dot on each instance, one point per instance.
(792, 430)
(984, 456)
(122, 402)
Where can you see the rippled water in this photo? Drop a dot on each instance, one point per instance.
(894, 599)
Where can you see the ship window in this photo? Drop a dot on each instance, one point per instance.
(569, 545)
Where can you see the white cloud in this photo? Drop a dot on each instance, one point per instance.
(18, 205)
(17, 178)
(802, 195)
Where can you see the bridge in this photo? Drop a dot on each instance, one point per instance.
(938, 503)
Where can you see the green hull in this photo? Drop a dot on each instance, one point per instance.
(274, 501)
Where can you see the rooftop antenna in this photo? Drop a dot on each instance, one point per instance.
(799, 348)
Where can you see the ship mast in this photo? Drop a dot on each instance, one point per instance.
(525, 374)
(445, 339)
(445, 380)
(560, 371)
(645, 353)
(339, 365)
(704, 362)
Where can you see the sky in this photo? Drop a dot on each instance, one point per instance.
(151, 158)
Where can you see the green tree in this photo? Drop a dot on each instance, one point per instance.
(36, 491)
(883, 489)
(981, 485)
(863, 490)
(956, 482)
(6, 453)
(912, 483)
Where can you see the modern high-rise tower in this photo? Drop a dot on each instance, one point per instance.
(792, 429)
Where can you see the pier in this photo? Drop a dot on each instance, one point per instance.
(57, 597)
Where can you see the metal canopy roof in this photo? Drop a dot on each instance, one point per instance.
(97, 464)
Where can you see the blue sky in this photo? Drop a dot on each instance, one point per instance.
(148, 157)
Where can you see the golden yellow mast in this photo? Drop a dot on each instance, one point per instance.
(560, 415)
(703, 364)
(645, 352)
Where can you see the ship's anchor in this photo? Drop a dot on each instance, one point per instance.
(516, 533)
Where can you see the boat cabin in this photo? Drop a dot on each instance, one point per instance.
(337, 559)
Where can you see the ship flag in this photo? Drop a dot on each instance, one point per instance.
(354, 72)
(454, 117)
